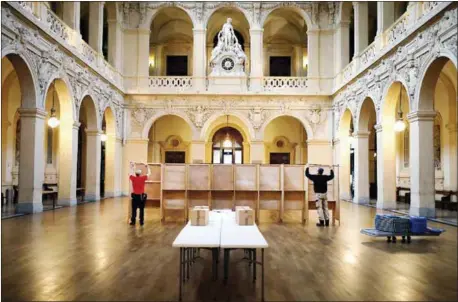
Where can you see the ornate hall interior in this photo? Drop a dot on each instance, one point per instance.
(368, 89)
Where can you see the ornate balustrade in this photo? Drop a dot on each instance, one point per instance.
(284, 83)
(170, 84)
(368, 54)
(398, 30)
(71, 39)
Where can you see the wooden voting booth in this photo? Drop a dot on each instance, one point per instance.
(275, 188)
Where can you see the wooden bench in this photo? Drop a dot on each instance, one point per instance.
(331, 207)
(446, 200)
(406, 197)
(80, 194)
(49, 192)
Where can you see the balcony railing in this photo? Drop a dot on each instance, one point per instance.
(57, 26)
(169, 83)
(284, 83)
(397, 31)
(368, 54)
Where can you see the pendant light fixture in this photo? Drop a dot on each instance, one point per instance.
(104, 136)
(227, 143)
(53, 121)
(400, 124)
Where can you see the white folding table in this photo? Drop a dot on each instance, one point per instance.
(249, 238)
(192, 238)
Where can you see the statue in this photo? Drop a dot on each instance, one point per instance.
(227, 57)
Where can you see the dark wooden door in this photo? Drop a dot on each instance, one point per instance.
(279, 158)
(175, 157)
(280, 66)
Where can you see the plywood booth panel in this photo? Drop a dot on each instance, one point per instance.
(246, 198)
(198, 177)
(153, 190)
(246, 177)
(198, 198)
(294, 200)
(222, 199)
(269, 177)
(173, 199)
(155, 172)
(222, 177)
(270, 200)
(293, 178)
(174, 177)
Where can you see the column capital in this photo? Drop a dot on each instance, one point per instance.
(76, 125)
(378, 128)
(92, 132)
(143, 31)
(256, 30)
(32, 112)
(361, 134)
(418, 116)
(199, 30)
(336, 141)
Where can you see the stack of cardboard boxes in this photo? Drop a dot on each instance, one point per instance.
(244, 215)
(199, 216)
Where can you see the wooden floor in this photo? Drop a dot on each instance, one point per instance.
(89, 253)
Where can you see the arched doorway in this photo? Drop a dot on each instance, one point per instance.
(393, 149)
(365, 142)
(89, 151)
(433, 133)
(285, 141)
(169, 137)
(171, 43)
(285, 44)
(227, 146)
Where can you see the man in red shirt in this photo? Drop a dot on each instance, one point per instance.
(138, 193)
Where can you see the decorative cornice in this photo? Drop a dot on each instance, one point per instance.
(419, 116)
(32, 113)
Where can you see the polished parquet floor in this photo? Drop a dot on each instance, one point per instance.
(89, 253)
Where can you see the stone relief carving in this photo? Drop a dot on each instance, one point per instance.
(257, 117)
(141, 115)
(199, 115)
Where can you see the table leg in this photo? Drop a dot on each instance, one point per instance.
(262, 275)
(254, 265)
(187, 263)
(226, 265)
(184, 264)
(181, 272)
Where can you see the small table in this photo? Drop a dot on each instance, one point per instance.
(247, 237)
(193, 238)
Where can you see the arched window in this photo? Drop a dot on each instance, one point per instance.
(227, 146)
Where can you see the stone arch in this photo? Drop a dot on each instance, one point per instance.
(149, 123)
(294, 8)
(427, 80)
(388, 95)
(204, 132)
(91, 111)
(65, 89)
(364, 110)
(302, 120)
(152, 13)
(27, 78)
(221, 5)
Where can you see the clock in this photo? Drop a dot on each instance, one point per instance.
(227, 64)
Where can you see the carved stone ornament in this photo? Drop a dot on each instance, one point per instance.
(315, 115)
(257, 117)
(199, 115)
(141, 115)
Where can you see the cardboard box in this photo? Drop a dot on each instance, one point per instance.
(199, 217)
(244, 216)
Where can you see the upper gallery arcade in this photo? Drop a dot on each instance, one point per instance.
(370, 86)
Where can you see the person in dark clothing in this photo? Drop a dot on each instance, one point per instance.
(138, 194)
(320, 186)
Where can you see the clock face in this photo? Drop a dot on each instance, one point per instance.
(227, 64)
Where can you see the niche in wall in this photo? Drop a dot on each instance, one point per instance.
(177, 65)
(280, 66)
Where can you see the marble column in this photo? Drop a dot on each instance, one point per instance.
(386, 167)
(68, 158)
(451, 160)
(342, 49)
(71, 14)
(361, 167)
(256, 55)
(385, 16)
(298, 60)
(118, 167)
(422, 173)
(114, 44)
(199, 59)
(110, 162)
(93, 158)
(361, 26)
(31, 167)
(313, 52)
(96, 25)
